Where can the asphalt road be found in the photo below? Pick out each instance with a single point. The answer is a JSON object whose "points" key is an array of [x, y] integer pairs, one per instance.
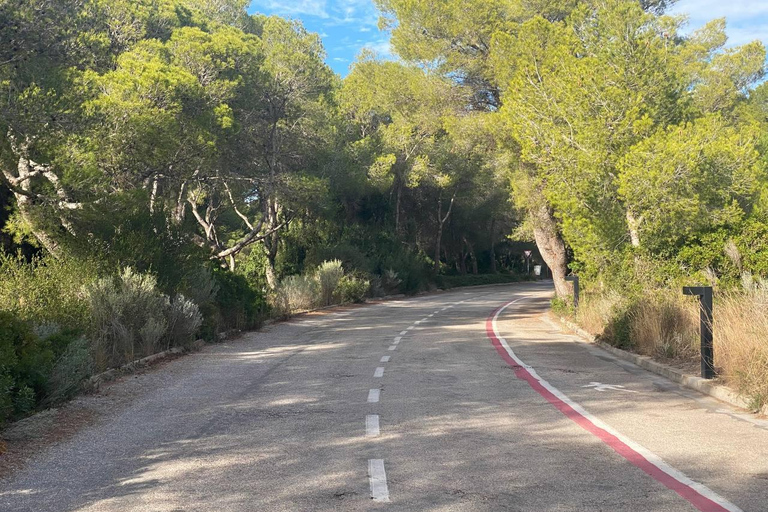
{"points": [[422, 404]]}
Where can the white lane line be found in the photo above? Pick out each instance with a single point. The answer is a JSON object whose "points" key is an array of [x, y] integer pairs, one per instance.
{"points": [[398, 339], [378, 479], [403, 333], [379, 372], [424, 319], [373, 395], [372, 425], [385, 359], [699, 495], [393, 347], [430, 315], [417, 322], [411, 327], [437, 311]]}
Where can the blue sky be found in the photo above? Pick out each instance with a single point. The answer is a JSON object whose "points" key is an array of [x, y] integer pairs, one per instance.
{"points": [[347, 26]]}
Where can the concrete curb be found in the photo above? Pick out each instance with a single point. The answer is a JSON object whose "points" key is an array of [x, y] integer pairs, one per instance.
{"points": [[718, 391], [95, 382]]}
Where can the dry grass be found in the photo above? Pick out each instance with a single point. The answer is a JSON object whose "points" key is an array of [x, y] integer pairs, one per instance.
{"points": [[741, 342], [665, 325], [596, 311]]}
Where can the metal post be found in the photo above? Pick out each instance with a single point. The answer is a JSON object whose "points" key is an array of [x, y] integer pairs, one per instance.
{"points": [[575, 280], [705, 320]]}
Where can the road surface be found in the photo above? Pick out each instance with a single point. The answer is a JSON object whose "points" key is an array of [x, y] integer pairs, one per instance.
{"points": [[471, 400]]}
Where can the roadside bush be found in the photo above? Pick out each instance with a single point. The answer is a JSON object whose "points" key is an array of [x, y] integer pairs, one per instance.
{"points": [[238, 305], [25, 363], [133, 319], [73, 367], [46, 290], [184, 320], [296, 293], [328, 276], [351, 289]]}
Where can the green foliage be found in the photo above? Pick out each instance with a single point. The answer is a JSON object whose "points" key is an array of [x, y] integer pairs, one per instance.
{"points": [[46, 290], [239, 305], [352, 289], [297, 293], [25, 362], [72, 367], [133, 319], [328, 276]]}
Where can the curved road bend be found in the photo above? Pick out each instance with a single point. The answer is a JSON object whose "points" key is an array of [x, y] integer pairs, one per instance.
{"points": [[464, 401]]}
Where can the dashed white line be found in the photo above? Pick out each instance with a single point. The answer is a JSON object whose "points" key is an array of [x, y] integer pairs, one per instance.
{"points": [[411, 327], [397, 339], [373, 395], [378, 479], [417, 322], [393, 347], [379, 372], [423, 319], [403, 333], [385, 359], [372, 425]]}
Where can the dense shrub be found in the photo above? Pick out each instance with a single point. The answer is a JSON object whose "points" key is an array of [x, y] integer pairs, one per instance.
{"points": [[73, 367], [351, 289], [25, 363], [296, 293], [237, 305], [328, 276], [132, 318], [46, 291]]}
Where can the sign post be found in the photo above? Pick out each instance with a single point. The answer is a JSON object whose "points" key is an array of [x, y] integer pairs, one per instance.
{"points": [[575, 280], [528, 261], [705, 326]]}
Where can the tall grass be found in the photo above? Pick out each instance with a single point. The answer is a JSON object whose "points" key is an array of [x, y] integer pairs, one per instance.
{"points": [[741, 341], [664, 324]]}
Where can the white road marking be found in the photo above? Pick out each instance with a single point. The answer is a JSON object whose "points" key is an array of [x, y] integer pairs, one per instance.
{"points": [[417, 322], [411, 327], [372, 425], [424, 319], [437, 311], [393, 347], [398, 339], [607, 387], [373, 395], [378, 479], [379, 372], [385, 359], [403, 333], [649, 456]]}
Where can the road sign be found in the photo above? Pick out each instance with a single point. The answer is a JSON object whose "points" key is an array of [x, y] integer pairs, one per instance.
{"points": [[527, 253]]}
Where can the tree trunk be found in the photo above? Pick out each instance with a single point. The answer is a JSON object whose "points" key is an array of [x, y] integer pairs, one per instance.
{"points": [[398, 195], [472, 256], [552, 247], [440, 223], [633, 225], [493, 246], [24, 204]]}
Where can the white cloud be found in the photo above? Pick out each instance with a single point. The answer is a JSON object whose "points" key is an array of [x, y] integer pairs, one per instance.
{"points": [[316, 8], [382, 47], [747, 20]]}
